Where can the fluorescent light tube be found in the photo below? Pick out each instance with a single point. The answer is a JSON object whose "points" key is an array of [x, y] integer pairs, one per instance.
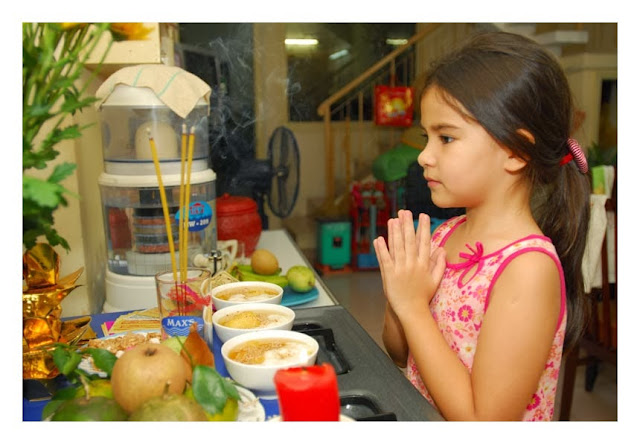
{"points": [[338, 54], [301, 42], [397, 42]]}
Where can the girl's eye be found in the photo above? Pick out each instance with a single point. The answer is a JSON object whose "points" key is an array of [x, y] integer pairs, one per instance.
{"points": [[446, 139], [425, 136]]}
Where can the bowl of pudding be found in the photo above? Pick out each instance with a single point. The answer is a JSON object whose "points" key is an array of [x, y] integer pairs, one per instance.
{"points": [[245, 292], [252, 359], [244, 318]]}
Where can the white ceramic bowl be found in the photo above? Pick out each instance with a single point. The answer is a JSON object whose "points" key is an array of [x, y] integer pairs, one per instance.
{"points": [[284, 317], [259, 377], [238, 287]]}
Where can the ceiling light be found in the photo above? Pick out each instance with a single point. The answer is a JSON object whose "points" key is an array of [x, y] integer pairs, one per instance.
{"points": [[301, 42], [397, 42]]}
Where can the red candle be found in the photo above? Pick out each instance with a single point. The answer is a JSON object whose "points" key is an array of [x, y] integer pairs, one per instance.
{"points": [[308, 393]]}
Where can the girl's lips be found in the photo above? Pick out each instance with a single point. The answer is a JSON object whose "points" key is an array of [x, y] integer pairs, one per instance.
{"points": [[431, 182]]}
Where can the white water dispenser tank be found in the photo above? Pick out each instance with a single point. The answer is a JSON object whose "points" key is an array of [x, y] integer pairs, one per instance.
{"points": [[165, 103]]}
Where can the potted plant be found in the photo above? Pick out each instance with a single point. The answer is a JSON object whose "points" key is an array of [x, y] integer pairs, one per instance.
{"points": [[53, 60]]}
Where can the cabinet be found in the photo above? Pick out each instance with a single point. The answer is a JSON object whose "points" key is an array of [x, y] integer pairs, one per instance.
{"points": [[157, 47]]}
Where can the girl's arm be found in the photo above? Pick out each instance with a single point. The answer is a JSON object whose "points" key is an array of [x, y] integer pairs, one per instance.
{"points": [[517, 330], [513, 346], [394, 339]]}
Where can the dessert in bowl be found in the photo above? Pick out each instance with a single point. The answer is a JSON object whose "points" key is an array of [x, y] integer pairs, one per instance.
{"points": [[244, 318], [245, 292], [252, 359]]}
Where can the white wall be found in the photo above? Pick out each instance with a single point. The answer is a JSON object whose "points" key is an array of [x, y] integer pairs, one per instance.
{"points": [[585, 73]]}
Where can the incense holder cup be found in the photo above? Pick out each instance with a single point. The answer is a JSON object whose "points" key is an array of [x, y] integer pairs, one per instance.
{"points": [[181, 300]]}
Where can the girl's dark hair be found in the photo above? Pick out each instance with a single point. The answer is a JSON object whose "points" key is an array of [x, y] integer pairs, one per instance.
{"points": [[507, 82]]}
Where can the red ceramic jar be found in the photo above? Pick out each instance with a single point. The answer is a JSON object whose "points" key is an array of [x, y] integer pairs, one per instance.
{"points": [[238, 218]]}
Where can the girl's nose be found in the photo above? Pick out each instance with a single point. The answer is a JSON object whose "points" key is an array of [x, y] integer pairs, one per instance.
{"points": [[425, 158]]}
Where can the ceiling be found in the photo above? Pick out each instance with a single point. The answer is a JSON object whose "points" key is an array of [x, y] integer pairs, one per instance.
{"points": [[336, 36]]}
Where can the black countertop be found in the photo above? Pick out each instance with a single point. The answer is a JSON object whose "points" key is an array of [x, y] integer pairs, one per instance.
{"points": [[367, 378]]}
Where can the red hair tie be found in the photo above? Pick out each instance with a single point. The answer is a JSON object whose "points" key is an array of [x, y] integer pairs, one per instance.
{"points": [[576, 153]]}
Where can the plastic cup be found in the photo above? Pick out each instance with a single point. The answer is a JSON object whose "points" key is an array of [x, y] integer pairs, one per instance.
{"points": [[180, 301]]}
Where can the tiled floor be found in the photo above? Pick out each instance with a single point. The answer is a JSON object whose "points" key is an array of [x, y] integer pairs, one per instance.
{"points": [[361, 294]]}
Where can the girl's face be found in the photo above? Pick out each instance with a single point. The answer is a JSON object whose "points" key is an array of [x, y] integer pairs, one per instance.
{"points": [[461, 161]]}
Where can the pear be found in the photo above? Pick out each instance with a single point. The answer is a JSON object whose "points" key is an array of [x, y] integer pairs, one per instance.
{"points": [[301, 278], [143, 373], [169, 407], [97, 408], [264, 262]]}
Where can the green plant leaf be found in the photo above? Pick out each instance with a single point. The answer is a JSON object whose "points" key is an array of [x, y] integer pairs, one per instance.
{"points": [[65, 393], [55, 239], [103, 359], [66, 359], [210, 389], [51, 407], [61, 172], [73, 104], [59, 134], [42, 192], [38, 110], [230, 389], [37, 160]]}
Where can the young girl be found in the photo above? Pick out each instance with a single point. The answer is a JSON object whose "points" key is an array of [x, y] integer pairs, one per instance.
{"points": [[477, 313]]}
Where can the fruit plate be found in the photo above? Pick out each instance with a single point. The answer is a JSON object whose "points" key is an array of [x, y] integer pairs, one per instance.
{"points": [[290, 298], [117, 344], [249, 407]]}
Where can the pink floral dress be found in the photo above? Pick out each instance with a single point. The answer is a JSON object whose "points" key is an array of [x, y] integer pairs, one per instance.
{"points": [[462, 298]]}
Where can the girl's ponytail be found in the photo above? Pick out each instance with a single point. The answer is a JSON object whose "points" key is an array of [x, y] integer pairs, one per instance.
{"points": [[561, 209]]}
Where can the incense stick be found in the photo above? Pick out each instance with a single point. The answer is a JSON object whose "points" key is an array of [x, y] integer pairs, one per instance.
{"points": [[183, 217], [165, 208], [183, 211], [187, 192]]}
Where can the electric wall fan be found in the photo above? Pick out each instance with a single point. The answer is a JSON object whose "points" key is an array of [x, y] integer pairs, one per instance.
{"points": [[275, 179]]}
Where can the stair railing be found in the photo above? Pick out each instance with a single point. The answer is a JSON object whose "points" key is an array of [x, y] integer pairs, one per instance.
{"points": [[340, 103]]}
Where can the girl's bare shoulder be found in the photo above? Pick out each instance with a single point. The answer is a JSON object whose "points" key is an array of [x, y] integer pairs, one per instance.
{"points": [[533, 274]]}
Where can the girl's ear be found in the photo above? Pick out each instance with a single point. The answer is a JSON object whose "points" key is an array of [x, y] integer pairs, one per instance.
{"points": [[515, 163]]}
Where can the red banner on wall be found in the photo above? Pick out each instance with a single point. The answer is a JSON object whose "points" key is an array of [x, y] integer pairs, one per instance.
{"points": [[393, 105]]}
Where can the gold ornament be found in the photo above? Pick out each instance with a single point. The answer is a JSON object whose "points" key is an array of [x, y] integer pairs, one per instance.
{"points": [[42, 326]]}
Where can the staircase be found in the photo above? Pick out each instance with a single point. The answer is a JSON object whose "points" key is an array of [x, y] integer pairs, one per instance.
{"points": [[401, 68], [345, 109]]}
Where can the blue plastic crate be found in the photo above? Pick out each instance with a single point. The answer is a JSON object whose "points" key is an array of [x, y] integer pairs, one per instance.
{"points": [[334, 243]]}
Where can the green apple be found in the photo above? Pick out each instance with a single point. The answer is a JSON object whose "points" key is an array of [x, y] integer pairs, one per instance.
{"points": [[175, 343], [301, 278]]}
